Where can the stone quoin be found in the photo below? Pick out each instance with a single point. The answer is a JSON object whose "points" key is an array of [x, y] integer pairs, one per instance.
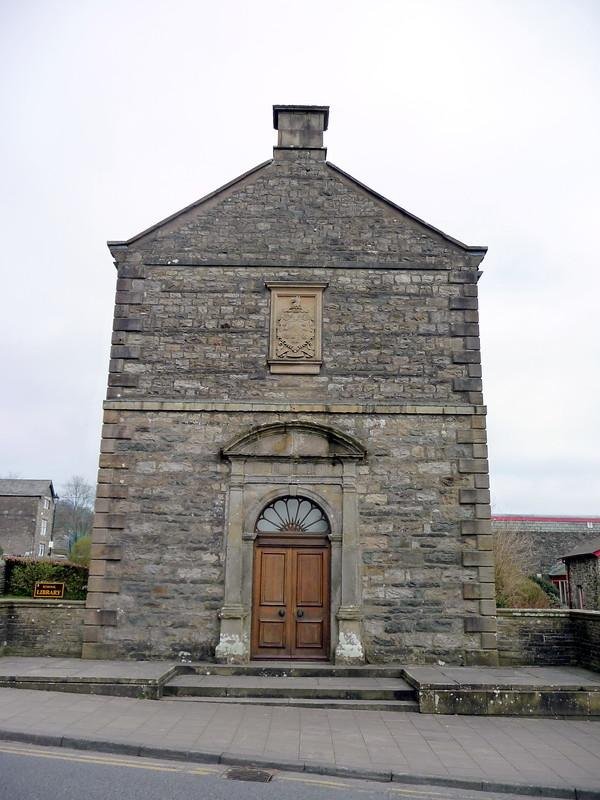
{"points": [[293, 460]]}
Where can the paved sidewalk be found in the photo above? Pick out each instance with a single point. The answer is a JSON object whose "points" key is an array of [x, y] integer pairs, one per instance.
{"points": [[556, 753]]}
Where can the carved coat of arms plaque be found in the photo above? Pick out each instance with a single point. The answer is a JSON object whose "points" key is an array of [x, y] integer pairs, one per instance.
{"points": [[295, 331]]}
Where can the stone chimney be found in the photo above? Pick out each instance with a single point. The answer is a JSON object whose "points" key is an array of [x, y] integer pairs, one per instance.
{"points": [[301, 128]]}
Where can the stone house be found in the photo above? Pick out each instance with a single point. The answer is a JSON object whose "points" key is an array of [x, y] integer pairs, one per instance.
{"points": [[293, 460], [548, 537], [26, 517], [583, 576]]}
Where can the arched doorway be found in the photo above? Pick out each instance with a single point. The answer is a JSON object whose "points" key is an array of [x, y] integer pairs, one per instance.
{"points": [[291, 581]]}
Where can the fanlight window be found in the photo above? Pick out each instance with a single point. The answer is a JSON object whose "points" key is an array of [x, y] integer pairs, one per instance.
{"points": [[292, 515]]}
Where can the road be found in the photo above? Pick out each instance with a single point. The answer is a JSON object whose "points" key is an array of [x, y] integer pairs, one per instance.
{"points": [[28, 772]]}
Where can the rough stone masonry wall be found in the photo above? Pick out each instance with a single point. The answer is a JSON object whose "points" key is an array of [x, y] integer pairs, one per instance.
{"points": [[41, 627], [586, 625], [18, 520], [541, 637], [584, 573], [164, 585], [549, 637], [189, 370]]}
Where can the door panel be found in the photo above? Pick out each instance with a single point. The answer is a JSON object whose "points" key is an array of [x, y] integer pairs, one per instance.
{"points": [[309, 582], [270, 635], [311, 599], [290, 611], [272, 578]]}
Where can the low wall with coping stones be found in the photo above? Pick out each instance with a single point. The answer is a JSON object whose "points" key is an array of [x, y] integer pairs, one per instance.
{"points": [[549, 637], [41, 627]]}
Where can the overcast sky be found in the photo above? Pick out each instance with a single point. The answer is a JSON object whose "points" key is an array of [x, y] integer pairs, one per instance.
{"points": [[482, 117]]}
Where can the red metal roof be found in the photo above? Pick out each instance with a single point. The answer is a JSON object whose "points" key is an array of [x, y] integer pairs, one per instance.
{"points": [[532, 518]]}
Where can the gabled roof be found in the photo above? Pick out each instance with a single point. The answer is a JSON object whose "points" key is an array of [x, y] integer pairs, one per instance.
{"points": [[476, 249], [17, 487], [591, 548]]}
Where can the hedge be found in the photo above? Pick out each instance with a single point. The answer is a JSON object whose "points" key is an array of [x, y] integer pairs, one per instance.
{"points": [[21, 574]]}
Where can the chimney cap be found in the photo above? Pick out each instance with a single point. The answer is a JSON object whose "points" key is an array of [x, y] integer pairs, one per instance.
{"points": [[301, 110]]}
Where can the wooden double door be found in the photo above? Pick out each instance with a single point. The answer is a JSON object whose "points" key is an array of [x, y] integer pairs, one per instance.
{"points": [[290, 608]]}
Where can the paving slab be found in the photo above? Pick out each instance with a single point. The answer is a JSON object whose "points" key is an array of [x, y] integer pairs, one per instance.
{"points": [[504, 677], [553, 757], [506, 691], [78, 669]]}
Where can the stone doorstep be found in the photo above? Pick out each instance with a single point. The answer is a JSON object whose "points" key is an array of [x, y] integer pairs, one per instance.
{"points": [[354, 704], [574, 691], [376, 689], [289, 765], [314, 669]]}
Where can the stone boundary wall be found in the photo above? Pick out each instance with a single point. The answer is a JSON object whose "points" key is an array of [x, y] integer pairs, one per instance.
{"points": [[549, 637], [586, 625], [41, 627]]}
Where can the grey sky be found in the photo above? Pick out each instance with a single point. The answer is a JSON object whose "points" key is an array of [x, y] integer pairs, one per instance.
{"points": [[481, 117]]}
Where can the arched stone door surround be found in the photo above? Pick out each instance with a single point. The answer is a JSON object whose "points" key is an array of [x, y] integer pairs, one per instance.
{"points": [[290, 581], [292, 459]]}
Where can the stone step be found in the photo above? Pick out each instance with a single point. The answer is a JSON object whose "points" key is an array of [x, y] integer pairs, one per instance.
{"points": [[297, 669], [306, 702], [257, 686]]}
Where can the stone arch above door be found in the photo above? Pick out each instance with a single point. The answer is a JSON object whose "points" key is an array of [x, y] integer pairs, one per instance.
{"points": [[294, 458], [295, 439]]}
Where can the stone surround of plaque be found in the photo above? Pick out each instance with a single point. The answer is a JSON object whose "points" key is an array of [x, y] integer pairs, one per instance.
{"points": [[295, 328], [293, 462]]}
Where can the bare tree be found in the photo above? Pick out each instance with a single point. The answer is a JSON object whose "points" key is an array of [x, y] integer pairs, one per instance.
{"points": [[512, 555], [74, 511]]}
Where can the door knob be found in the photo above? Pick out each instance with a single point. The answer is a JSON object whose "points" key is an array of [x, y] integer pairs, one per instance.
{"points": [[299, 613], [281, 612]]}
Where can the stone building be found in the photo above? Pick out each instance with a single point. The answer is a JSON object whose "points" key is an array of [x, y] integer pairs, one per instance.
{"points": [[293, 459], [547, 537], [26, 517], [583, 576]]}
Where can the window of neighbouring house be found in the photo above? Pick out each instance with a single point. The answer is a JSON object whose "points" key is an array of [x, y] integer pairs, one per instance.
{"points": [[46, 503], [41, 549], [563, 592], [44, 528], [580, 597]]}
